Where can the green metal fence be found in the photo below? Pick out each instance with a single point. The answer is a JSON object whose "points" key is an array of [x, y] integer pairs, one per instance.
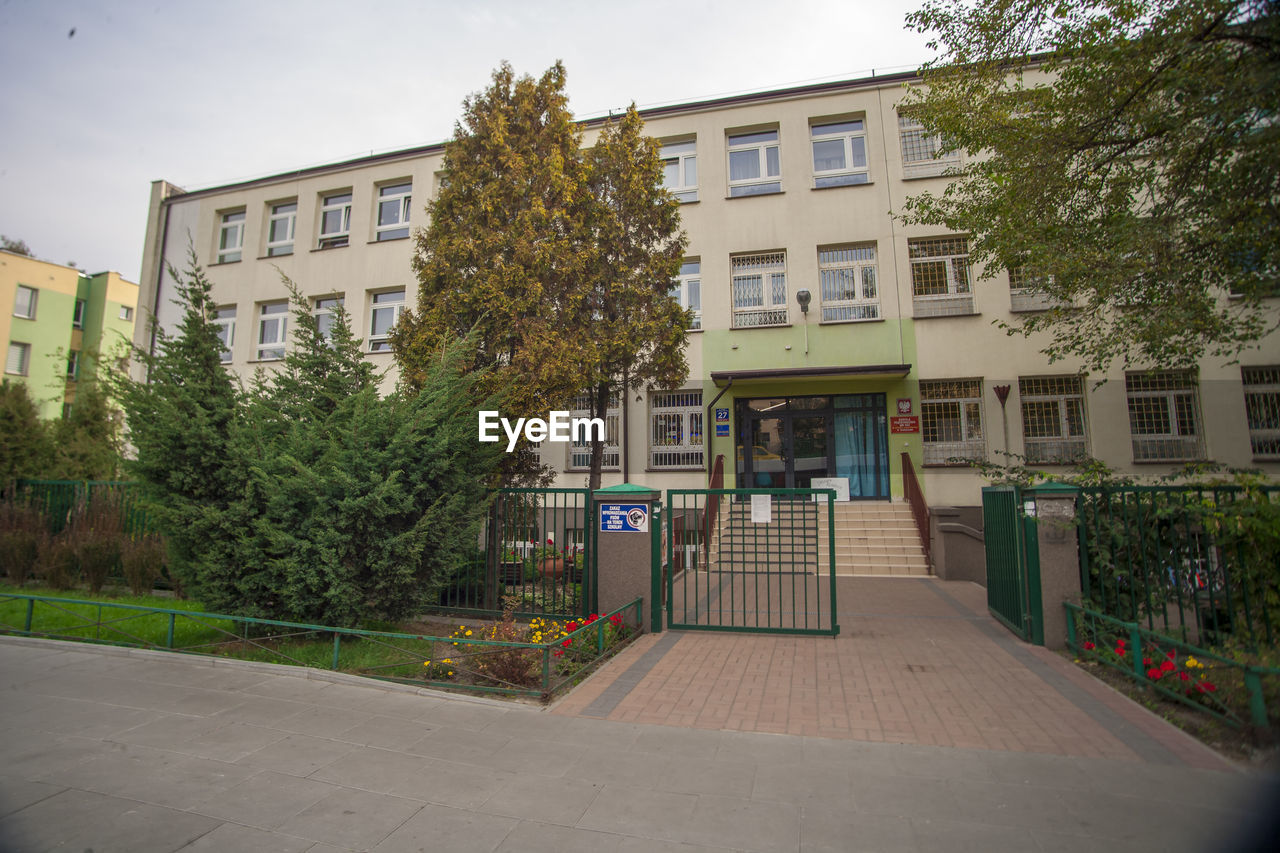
{"points": [[1236, 693], [754, 560], [56, 500], [1013, 564], [1200, 564], [461, 662], [536, 552]]}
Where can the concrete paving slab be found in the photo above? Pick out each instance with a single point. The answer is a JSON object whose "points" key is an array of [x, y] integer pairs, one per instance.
{"points": [[416, 777], [17, 794], [562, 801], [531, 835], [828, 830], [266, 799], [384, 731], [640, 811], [297, 755], [437, 827], [233, 838], [156, 776], [351, 818]]}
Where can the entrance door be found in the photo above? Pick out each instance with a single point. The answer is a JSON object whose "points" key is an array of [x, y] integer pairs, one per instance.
{"points": [[786, 443]]}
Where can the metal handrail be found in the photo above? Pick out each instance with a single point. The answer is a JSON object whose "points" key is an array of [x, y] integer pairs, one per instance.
{"points": [[919, 509]]}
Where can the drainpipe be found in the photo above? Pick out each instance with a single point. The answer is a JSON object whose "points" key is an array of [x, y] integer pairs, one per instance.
{"points": [[711, 422]]}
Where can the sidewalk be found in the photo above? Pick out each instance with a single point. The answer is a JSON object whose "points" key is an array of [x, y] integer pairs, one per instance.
{"points": [[115, 750]]}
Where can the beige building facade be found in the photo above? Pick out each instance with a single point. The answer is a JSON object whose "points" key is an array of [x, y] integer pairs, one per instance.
{"points": [[829, 339]]}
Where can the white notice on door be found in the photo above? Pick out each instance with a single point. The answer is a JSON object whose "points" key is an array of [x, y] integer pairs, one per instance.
{"points": [[761, 509]]}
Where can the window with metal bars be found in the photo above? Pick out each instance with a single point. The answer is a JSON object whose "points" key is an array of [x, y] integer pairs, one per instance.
{"points": [[759, 290], [1164, 416], [580, 447], [1053, 420], [940, 276], [847, 283], [920, 150], [1026, 290], [951, 421], [1262, 408], [675, 429]]}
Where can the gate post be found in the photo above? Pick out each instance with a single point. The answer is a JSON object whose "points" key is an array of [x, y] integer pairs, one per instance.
{"points": [[1055, 575], [627, 528]]}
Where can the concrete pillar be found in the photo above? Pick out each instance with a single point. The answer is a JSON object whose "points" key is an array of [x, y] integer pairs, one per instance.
{"points": [[628, 520], [1058, 543]]}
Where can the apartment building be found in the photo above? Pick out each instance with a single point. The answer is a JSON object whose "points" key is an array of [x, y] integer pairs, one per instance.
{"points": [[828, 339], [61, 323]]}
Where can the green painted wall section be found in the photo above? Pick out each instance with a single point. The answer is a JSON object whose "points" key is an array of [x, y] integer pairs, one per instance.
{"points": [[50, 337], [889, 342]]}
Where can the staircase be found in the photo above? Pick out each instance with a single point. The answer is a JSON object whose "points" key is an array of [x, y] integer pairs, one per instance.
{"points": [[877, 538], [871, 538]]}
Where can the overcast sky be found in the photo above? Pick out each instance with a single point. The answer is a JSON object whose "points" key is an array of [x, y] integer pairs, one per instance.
{"points": [[202, 94]]}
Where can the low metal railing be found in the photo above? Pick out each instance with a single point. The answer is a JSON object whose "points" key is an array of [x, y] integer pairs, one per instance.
{"points": [[474, 664], [1238, 694]]}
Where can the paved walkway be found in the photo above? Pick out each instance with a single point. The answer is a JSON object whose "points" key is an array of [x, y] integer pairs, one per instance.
{"points": [[108, 749], [917, 661]]}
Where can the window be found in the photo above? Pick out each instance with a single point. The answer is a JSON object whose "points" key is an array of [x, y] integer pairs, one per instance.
{"points": [[393, 211], [839, 153], [1164, 416], [231, 237], [273, 327], [680, 169], [847, 282], [1053, 419], [580, 448], [940, 276], [126, 313], [688, 290], [387, 308], [280, 229], [77, 319], [920, 157], [24, 304], [754, 164], [1026, 290], [325, 315], [759, 290], [1262, 407], [19, 359], [335, 221], [224, 325], [951, 420], [73, 365], [675, 429]]}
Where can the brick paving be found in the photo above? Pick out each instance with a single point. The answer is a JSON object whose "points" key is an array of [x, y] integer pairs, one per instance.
{"points": [[916, 662]]}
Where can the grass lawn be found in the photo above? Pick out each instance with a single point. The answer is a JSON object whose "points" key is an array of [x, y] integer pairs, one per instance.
{"points": [[115, 619]]}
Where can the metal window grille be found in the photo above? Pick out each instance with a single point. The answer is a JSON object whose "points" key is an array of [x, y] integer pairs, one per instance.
{"points": [[920, 158], [1164, 416], [1262, 408], [940, 276], [847, 282], [675, 430], [1053, 419], [759, 290], [1026, 290], [951, 420], [580, 449]]}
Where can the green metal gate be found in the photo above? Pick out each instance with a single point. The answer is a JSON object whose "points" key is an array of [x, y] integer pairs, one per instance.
{"points": [[751, 560], [1013, 562]]}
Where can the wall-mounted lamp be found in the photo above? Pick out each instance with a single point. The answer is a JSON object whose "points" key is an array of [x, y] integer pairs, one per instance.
{"points": [[803, 297]]}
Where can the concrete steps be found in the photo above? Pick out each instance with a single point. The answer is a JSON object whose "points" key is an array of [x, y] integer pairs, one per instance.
{"points": [[871, 538]]}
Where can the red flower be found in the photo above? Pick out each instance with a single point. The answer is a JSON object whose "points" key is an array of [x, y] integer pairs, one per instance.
{"points": [[1120, 651], [1185, 676], [1119, 644], [1173, 653], [550, 541], [570, 627], [1168, 666], [567, 643], [1088, 646], [558, 653], [1206, 687], [1154, 673], [616, 619], [1146, 661]]}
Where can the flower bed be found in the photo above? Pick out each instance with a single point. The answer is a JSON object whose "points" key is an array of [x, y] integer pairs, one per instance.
{"points": [[1239, 693]]}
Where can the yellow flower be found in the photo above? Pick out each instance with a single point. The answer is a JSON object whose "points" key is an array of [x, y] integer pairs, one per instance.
{"points": [[1192, 663], [468, 633], [426, 663]]}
